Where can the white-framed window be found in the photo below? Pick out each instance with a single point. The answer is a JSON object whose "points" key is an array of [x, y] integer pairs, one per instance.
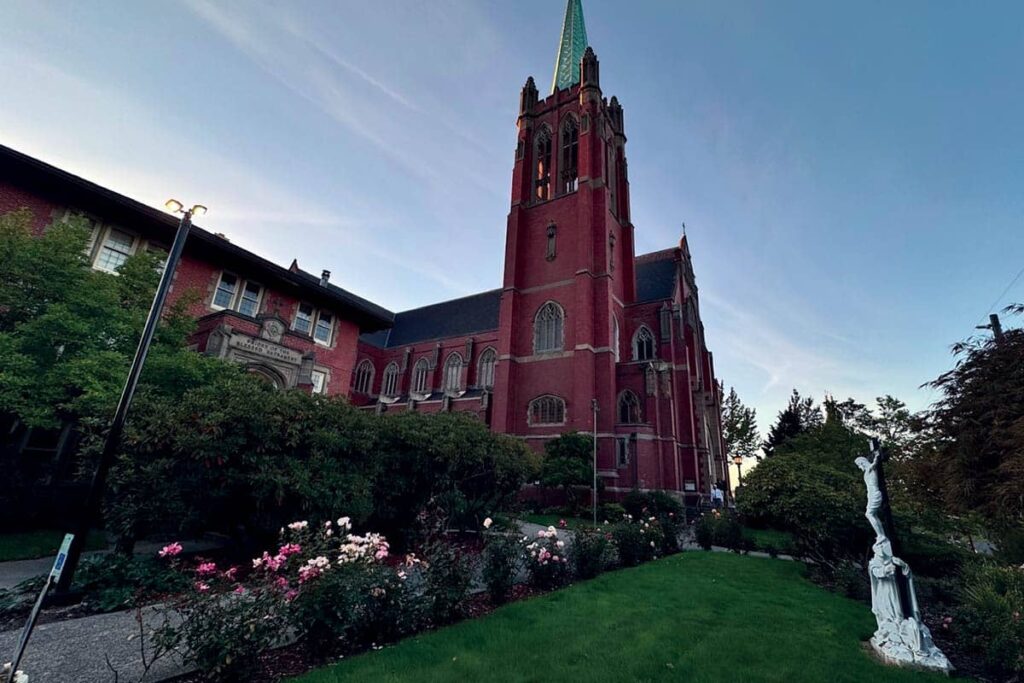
{"points": [[117, 246], [389, 385], [304, 316], [622, 452], [629, 408], [324, 330], [249, 301], [643, 344], [362, 379], [319, 379], [421, 377], [548, 328], [227, 287], [485, 369], [237, 294], [546, 410], [453, 374]]}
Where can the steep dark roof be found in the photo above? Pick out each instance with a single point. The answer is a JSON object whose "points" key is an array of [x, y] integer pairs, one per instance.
{"points": [[656, 276], [24, 170], [455, 318]]}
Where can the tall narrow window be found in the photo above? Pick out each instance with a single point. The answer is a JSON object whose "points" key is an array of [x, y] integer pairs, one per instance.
{"points": [[421, 377], [249, 303], [547, 328], [304, 318], [546, 410], [643, 344], [324, 328], [568, 161], [615, 338], [542, 177], [611, 177], [629, 408], [485, 369], [453, 374], [621, 452], [224, 297], [319, 380], [362, 379], [116, 249], [389, 385], [552, 229]]}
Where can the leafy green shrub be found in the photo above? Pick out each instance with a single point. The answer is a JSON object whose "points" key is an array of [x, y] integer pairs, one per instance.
{"points": [[502, 557], [991, 615], [546, 560], [719, 529], [811, 489], [647, 503], [448, 576], [568, 465], [637, 540], [1010, 545], [610, 511], [591, 551], [114, 582]]}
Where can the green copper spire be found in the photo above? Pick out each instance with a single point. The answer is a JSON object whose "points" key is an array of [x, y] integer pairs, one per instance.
{"points": [[570, 48]]}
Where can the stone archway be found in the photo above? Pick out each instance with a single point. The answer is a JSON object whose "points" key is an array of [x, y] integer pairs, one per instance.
{"points": [[268, 374]]}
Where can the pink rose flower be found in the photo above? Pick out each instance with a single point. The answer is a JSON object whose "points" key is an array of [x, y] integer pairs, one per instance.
{"points": [[202, 587], [206, 569], [170, 550]]}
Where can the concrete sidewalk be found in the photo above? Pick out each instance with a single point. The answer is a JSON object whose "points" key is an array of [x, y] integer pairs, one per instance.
{"points": [[13, 573]]}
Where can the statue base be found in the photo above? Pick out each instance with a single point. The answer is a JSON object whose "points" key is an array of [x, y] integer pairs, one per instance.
{"points": [[910, 646]]}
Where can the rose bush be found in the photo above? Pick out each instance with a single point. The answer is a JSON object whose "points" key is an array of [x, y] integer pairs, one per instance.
{"points": [[546, 559], [637, 539]]}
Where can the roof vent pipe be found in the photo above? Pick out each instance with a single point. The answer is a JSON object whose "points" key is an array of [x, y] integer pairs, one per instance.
{"points": [[324, 277]]}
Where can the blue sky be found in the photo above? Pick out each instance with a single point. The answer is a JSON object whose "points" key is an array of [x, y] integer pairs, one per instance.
{"points": [[850, 173]]}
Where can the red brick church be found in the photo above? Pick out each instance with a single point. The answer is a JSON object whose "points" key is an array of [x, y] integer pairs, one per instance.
{"points": [[582, 334]]}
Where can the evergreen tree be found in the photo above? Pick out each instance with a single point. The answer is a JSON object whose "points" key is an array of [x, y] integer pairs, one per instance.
{"points": [[739, 427], [797, 417]]}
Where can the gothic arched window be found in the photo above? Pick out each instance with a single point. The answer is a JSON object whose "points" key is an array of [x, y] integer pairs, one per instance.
{"points": [[629, 408], [542, 159], [453, 374], [421, 377], [643, 344], [362, 380], [546, 410], [547, 328], [389, 385], [568, 163], [485, 369]]}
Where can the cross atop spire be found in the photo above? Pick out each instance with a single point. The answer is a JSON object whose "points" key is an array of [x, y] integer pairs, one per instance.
{"points": [[570, 48]]}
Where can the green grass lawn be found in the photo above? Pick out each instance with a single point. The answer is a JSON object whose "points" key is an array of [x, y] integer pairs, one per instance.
{"points": [[762, 538], [28, 545], [552, 520], [692, 617]]}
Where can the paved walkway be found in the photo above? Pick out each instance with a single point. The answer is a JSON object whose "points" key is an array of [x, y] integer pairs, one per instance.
{"points": [[13, 573]]}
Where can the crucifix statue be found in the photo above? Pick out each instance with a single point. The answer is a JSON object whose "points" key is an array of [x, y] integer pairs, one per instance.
{"points": [[901, 638]]}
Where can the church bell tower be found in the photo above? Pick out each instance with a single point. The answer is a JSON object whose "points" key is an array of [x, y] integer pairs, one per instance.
{"points": [[569, 266]]}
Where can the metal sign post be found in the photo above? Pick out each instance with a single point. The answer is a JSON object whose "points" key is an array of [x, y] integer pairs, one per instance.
{"points": [[54, 577]]}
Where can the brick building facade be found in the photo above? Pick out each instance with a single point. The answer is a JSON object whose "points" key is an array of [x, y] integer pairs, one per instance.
{"points": [[582, 335]]}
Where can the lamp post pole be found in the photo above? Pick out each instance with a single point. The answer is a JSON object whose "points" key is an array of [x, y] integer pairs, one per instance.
{"points": [[593, 493], [738, 461], [113, 440]]}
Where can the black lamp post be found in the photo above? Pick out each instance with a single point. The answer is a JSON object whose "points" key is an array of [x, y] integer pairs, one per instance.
{"points": [[738, 461], [113, 441]]}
